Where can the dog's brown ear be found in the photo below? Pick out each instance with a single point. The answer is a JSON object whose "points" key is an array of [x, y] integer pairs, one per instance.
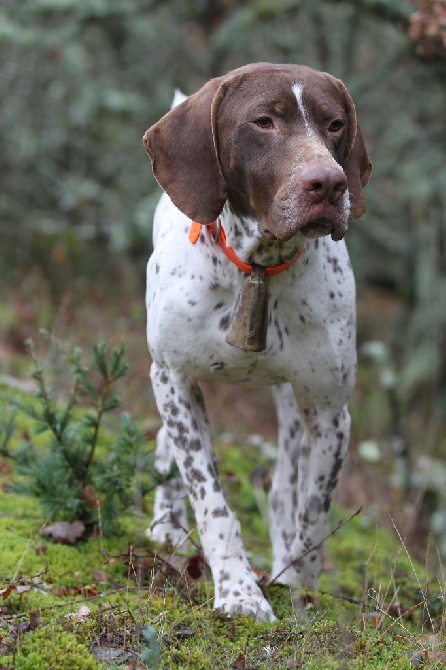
{"points": [[358, 169], [356, 163], [184, 157]]}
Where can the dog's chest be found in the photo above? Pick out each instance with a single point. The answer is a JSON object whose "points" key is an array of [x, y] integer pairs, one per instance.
{"points": [[191, 301], [187, 329]]}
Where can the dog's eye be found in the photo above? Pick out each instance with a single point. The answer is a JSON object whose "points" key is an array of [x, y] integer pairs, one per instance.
{"points": [[335, 126], [264, 122]]}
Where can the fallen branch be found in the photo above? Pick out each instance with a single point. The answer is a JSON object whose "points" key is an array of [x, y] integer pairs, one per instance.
{"points": [[340, 525]]}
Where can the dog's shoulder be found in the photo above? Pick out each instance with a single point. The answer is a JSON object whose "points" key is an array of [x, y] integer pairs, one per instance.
{"points": [[168, 222]]}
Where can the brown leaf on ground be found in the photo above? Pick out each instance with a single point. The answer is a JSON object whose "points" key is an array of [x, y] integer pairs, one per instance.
{"points": [[82, 613], [26, 626], [239, 663], [163, 567], [99, 576], [65, 532], [6, 592], [196, 566], [23, 588], [14, 588], [140, 562], [74, 591], [40, 549]]}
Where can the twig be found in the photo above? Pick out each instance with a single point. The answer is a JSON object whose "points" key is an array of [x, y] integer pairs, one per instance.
{"points": [[340, 525], [77, 601]]}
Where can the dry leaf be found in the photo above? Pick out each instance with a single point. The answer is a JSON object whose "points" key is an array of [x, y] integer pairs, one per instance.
{"points": [[195, 566], [18, 588], [74, 591], [26, 626], [99, 576], [40, 549], [80, 615], [23, 588], [65, 532], [239, 663], [6, 592]]}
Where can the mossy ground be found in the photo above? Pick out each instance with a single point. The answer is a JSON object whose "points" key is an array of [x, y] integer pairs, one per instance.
{"points": [[376, 607]]}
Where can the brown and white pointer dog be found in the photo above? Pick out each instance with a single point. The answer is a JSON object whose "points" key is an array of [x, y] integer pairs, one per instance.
{"points": [[272, 157]]}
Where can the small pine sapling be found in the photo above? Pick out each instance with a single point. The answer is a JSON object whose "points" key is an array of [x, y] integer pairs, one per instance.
{"points": [[79, 470]]}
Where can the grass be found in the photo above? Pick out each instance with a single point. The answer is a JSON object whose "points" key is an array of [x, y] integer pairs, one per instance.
{"points": [[100, 605]]}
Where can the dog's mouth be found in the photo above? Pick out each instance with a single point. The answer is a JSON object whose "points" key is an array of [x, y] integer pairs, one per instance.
{"points": [[322, 226], [317, 228]]}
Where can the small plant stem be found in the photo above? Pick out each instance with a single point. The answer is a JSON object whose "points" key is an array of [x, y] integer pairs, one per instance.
{"points": [[49, 412], [94, 441]]}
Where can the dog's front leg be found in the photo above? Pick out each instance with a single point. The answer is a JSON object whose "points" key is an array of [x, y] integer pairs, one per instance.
{"points": [[182, 410]]}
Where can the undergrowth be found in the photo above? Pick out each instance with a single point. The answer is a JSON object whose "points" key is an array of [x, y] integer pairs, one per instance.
{"points": [[74, 468], [97, 606], [114, 600], [106, 604]]}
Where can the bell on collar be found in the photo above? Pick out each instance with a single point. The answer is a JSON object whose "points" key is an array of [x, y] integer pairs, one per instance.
{"points": [[249, 322]]}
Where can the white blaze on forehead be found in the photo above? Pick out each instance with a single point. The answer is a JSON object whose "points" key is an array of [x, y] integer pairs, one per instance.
{"points": [[298, 91], [321, 152]]}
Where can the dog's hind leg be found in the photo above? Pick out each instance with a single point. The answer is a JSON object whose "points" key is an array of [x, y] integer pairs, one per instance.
{"points": [[169, 525], [288, 484], [328, 431]]}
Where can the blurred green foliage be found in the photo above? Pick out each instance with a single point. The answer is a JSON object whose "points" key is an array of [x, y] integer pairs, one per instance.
{"points": [[81, 80]]}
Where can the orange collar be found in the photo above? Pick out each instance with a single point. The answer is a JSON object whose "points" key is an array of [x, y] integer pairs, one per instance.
{"points": [[219, 237]]}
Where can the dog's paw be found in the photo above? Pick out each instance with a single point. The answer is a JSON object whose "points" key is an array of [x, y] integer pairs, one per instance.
{"points": [[248, 605], [164, 533]]}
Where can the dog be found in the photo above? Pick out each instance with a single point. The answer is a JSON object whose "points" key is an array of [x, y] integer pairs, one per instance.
{"points": [[262, 170]]}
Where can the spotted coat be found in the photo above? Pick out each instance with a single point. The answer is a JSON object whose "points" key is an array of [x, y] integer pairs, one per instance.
{"points": [[276, 153]]}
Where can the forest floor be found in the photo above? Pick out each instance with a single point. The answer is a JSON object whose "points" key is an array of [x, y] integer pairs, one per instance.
{"points": [[118, 601]]}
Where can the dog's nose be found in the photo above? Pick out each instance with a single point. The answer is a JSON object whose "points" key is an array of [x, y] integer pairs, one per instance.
{"points": [[322, 182]]}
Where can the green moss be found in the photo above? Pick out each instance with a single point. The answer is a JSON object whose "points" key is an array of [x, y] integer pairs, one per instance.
{"points": [[52, 647], [21, 540], [365, 568], [370, 563]]}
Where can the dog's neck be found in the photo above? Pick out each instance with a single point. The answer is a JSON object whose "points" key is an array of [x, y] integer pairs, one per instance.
{"points": [[244, 234]]}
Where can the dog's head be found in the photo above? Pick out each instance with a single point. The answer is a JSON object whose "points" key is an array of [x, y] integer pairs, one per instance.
{"points": [[281, 143]]}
